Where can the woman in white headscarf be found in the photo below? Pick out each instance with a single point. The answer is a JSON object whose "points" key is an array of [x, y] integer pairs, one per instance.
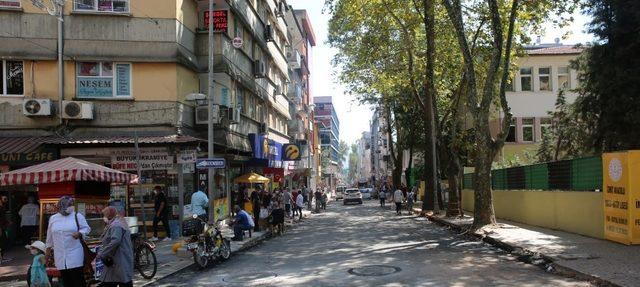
{"points": [[63, 236]]}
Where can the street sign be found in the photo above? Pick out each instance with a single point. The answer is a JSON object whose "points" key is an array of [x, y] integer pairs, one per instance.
{"points": [[237, 42], [211, 163]]}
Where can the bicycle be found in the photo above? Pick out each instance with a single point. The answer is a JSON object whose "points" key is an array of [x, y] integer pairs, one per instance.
{"points": [[144, 256]]}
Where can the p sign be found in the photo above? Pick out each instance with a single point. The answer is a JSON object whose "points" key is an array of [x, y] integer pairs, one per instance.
{"points": [[237, 42]]}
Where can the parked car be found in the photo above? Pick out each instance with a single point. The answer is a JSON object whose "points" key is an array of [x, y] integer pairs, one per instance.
{"points": [[352, 195], [366, 193], [340, 192]]}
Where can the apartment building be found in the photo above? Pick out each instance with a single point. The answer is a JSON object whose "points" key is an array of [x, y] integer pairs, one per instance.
{"points": [[381, 167], [542, 73], [129, 67], [364, 158], [329, 125]]}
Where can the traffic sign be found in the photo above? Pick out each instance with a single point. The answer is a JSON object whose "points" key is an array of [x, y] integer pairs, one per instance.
{"points": [[211, 163]]}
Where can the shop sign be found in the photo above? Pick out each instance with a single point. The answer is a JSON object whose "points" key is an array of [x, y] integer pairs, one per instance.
{"points": [[150, 159], [38, 156], [187, 156], [621, 191], [291, 152], [95, 87], [265, 148], [220, 20]]}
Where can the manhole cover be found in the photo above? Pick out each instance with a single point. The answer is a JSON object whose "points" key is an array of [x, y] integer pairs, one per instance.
{"points": [[258, 277], [374, 270]]}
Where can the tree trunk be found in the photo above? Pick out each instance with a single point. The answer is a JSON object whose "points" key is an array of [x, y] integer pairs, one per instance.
{"points": [[453, 207], [483, 213], [429, 93]]}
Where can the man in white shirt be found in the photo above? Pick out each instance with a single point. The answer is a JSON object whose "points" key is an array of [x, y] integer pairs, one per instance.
{"points": [[398, 198], [199, 201], [29, 219], [300, 204]]}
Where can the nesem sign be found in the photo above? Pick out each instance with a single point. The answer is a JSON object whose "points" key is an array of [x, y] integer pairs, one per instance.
{"points": [[220, 20]]}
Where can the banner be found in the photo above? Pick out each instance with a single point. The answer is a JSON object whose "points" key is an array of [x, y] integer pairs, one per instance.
{"points": [[621, 194]]}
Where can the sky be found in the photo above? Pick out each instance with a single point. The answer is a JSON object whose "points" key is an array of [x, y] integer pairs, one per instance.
{"points": [[354, 117]]}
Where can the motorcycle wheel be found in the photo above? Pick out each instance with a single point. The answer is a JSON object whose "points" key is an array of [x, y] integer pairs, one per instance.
{"points": [[199, 258], [225, 250]]}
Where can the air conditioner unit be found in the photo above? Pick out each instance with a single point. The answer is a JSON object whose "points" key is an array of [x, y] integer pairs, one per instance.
{"points": [[36, 107], [234, 115], [268, 33], [263, 128], [202, 115], [77, 110], [259, 69], [294, 59]]}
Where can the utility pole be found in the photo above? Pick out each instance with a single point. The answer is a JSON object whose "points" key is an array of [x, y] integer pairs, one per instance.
{"points": [[210, 180]]}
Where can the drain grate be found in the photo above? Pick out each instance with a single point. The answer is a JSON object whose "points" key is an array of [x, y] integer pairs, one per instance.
{"points": [[256, 278], [374, 270]]}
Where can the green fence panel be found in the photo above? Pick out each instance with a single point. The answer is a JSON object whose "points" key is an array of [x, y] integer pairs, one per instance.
{"points": [[586, 173], [537, 177], [499, 179]]}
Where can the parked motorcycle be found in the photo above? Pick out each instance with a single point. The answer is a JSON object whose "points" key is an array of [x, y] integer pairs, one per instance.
{"points": [[205, 241]]}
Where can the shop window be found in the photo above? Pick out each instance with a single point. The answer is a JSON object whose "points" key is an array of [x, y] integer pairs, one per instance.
{"points": [[12, 82], [527, 129], [563, 78], [544, 76], [103, 80], [511, 136], [117, 6], [9, 3], [525, 79]]}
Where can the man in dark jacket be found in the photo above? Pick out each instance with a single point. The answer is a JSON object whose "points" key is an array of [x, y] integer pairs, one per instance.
{"points": [[256, 201], [161, 214]]}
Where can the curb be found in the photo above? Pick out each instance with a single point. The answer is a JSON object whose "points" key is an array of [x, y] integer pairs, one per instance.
{"points": [[546, 262]]}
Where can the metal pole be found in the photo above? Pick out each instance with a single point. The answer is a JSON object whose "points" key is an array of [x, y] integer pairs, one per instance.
{"points": [[60, 60], [210, 181], [144, 218], [180, 196]]}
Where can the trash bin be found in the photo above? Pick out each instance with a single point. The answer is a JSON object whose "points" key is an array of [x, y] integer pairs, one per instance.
{"points": [[175, 229]]}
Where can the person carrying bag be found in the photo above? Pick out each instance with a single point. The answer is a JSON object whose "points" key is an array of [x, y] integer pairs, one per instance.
{"points": [[116, 251]]}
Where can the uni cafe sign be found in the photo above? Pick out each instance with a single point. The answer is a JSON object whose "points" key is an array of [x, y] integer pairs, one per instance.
{"points": [[38, 156]]}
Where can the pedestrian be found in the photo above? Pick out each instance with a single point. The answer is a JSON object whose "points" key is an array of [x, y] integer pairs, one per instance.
{"points": [[383, 198], [234, 200], [241, 223], [398, 198], [299, 204], [199, 203], [294, 196], [410, 196], [318, 197], [116, 251], [256, 201], [286, 199], [4, 228], [38, 271], [64, 237], [161, 214], [324, 200], [29, 219]]}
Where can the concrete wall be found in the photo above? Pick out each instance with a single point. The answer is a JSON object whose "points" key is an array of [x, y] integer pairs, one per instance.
{"points": [[575, 212]]}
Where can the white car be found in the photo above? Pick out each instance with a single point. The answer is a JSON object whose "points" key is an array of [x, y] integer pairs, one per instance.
{"points": [[366, 193], [352, 195]]}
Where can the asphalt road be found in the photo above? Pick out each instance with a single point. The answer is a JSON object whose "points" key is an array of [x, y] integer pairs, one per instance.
{"points": [[369, 246]]}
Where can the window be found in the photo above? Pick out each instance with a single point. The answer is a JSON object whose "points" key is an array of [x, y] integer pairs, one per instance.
{"points": [[240, 100], [563, 78], [544, 75], [511, 137], [525, 79], [118, 6], [103, 80], [10, 3], [545, 126], [527, 130], [12, 82]]}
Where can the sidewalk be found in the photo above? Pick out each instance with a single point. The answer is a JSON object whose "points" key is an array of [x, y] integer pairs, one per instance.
{"points": [[169, 263], [602, 262]]}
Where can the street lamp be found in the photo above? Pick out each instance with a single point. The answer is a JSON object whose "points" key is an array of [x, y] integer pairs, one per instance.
{"points": [[57, 9]]}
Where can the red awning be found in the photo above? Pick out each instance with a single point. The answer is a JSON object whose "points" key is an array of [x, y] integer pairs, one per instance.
{"points": [[64, 170]]}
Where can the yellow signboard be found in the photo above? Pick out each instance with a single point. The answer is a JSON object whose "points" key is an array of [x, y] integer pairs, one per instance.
{"points": [[621, 194]]}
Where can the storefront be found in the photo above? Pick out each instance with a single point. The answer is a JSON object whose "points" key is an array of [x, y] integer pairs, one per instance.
{"points": [[267, 160]]}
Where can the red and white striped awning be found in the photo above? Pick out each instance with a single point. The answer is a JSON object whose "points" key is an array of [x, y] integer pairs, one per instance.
{"points": [[64, 170]]}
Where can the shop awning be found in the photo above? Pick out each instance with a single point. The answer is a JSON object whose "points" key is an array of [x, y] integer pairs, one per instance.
{"points": [[251, 178], [9, 145], [64, 170]]}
